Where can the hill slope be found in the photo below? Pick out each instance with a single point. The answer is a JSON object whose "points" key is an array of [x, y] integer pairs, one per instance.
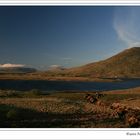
{"points": [[124, 64]]}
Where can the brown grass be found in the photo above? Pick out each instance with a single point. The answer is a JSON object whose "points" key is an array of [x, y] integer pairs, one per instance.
{"points": [[67, 109]]}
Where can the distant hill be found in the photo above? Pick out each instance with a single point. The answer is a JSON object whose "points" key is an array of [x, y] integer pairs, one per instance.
{"points": [[56, 68], [17, 70], [124, 64]]}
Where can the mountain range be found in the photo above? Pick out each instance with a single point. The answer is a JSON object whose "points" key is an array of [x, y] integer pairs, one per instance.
{"points": [[125, 64], [17, 70]]}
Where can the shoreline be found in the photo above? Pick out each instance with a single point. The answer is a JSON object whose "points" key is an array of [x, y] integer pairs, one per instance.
{"points": [[63, 78]]}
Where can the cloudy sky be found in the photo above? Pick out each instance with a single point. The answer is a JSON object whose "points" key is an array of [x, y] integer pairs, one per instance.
{"points": [[66, 36]]}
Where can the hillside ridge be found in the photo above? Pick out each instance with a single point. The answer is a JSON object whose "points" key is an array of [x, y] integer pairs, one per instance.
{"points": [[123, 64]]}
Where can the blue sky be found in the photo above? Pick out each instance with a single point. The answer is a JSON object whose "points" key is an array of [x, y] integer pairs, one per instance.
{"points": [[68, 36]]}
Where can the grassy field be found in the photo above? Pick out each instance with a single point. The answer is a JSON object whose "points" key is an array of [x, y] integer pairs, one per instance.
{"points": [[38, 109]]}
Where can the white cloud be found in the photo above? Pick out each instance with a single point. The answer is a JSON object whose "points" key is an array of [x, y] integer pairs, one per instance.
{"points": [[8, 65], [126, 25]]}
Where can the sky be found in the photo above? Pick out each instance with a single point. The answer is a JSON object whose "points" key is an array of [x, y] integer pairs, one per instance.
{"points": [[47, 36]]}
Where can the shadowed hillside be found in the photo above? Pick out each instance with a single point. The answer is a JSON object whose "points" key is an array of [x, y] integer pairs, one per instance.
{"points": [[17, 70]]}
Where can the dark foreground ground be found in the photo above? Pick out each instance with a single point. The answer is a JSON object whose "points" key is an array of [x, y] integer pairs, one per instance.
{"points": [[38, 109]]}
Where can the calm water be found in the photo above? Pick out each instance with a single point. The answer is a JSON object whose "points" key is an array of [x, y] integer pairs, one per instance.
{"points": [[63, 85]]}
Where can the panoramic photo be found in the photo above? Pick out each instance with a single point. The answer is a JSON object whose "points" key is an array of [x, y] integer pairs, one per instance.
{"points": [[69, 67]]}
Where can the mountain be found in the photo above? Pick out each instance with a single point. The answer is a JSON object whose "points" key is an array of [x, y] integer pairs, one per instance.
{"points": [[124, 64], [17, 70]]}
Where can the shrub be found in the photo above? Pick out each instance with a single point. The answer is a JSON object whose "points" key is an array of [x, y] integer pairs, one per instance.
{"points": [[32, 93], [12, 114], [35, 92]]}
